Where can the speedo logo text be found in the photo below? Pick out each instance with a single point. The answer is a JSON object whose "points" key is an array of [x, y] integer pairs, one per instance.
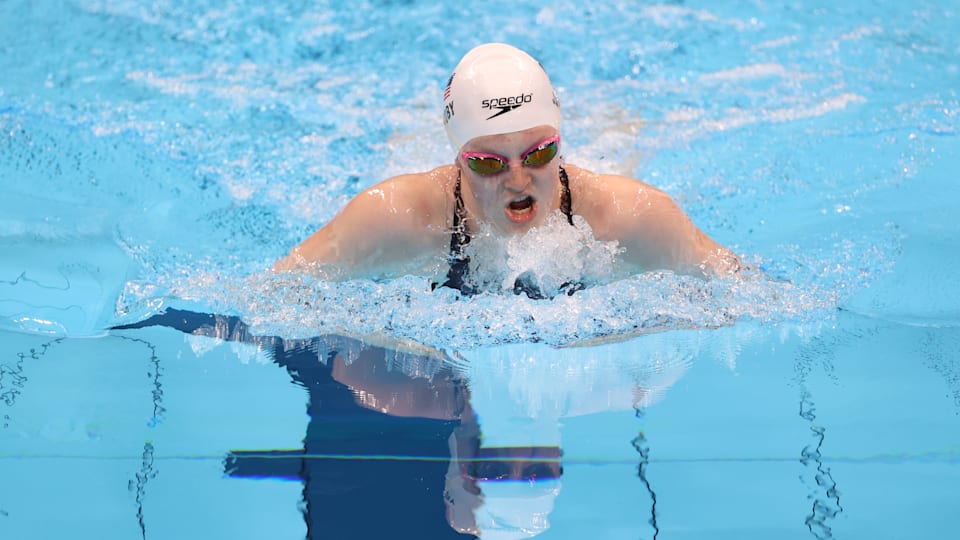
{"points": [[504, 105]]}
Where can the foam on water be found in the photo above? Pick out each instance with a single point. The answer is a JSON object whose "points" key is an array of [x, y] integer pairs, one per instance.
{"points": [[546, 257], [804, 289]]}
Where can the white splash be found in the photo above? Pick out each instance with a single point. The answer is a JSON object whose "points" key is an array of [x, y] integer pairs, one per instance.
{"points": [[546, 257]]}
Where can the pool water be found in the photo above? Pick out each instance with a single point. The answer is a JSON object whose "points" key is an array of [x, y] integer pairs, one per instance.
{"points": [[157, 381]]}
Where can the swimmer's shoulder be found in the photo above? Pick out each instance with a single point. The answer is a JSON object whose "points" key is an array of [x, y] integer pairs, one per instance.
{"points": [[590, 182], [426, 196], [606, 200], [593, 192]]}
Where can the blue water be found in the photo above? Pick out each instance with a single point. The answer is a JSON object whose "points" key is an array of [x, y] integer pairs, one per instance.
{"points": [[156, 158]]}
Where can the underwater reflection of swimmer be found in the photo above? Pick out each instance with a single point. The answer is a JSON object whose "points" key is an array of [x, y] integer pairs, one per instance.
{"points": [[499, 492], [393, 446]]}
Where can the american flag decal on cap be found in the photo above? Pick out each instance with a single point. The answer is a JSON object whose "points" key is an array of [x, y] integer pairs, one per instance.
{"points": [[446, 93]]}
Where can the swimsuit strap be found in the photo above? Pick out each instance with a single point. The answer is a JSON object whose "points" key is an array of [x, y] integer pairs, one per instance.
{"points": [[459, 238], [459, 263], [566, 204]]}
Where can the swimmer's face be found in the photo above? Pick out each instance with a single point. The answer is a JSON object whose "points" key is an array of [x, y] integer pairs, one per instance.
{"points": [[522, 193]]}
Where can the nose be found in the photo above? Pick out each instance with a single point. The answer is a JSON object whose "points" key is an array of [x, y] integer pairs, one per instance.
{"points": [[517, 177]]}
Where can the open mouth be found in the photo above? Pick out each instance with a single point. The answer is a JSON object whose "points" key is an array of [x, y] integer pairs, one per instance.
{"points": [[521, 210]]}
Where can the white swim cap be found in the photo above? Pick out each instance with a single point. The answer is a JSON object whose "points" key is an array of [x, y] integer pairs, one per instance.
{"points": [[515, 510], [497, 89], [497, 509]]}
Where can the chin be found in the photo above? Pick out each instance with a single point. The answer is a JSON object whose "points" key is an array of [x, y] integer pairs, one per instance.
{"points": [[510, 228]]}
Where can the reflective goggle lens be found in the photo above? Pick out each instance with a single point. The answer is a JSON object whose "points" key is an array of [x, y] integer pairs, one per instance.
{"points": [[486, 165], [542, 154]]}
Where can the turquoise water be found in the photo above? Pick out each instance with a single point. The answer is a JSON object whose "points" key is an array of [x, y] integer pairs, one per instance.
{"points": [[160, 156]]}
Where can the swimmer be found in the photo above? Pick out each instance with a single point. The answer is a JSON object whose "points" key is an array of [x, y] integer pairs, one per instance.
{"points": [[502, 114]]}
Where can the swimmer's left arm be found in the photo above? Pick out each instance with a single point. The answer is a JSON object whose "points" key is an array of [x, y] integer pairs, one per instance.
{"points": [[657, 234], [670, 238]]}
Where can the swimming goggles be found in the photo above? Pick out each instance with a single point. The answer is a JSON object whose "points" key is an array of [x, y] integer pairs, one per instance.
{"points": [[507, 464], [506, 470], [486, 164]]}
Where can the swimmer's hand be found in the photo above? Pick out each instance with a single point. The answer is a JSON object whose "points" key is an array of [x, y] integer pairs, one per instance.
{"points": [[723, 263], [287, 265], [295, 263]]}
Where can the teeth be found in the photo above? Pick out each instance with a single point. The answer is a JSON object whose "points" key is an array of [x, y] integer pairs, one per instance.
{"points": [[523, 203]]}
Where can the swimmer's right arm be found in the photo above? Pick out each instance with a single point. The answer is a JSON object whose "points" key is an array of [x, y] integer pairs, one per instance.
{"points": [[315, 250], [376, 231]]}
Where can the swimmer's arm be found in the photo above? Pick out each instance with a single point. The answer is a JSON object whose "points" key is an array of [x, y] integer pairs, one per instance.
{"points": [[658, 235], [377, 233], [396, 393]]}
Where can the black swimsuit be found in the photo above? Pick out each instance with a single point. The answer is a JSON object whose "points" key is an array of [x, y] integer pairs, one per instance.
{"points": [[459, 238]]}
